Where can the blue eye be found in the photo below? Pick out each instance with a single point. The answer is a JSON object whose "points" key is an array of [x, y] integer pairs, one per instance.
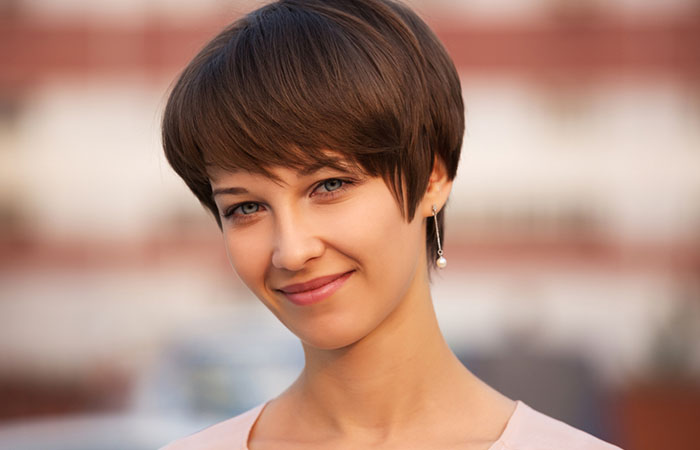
{"points": [[248, 208], [243, 209], [332, 184], [244, 212]]}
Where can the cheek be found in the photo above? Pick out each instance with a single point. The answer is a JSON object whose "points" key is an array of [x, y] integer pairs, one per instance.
{"points": [[376, 235], [248, 253]]}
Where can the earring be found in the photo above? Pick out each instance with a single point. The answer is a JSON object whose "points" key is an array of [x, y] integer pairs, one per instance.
{"points": [[441, 261]]}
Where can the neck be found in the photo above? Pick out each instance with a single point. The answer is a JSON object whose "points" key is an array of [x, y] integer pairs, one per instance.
{"points": [[386, 380]]}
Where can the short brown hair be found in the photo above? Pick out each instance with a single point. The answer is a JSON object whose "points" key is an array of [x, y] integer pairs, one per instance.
{"points": [[283, 85]]}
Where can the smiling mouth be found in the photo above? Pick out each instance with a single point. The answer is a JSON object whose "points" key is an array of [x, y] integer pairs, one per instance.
{"points": [[316, 290]]}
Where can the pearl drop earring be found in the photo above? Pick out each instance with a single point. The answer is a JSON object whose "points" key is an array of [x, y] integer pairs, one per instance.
{"points": [[441, 261]]}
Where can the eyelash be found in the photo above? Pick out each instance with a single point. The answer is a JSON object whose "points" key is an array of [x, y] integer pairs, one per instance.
{"points": [[329, 195]]}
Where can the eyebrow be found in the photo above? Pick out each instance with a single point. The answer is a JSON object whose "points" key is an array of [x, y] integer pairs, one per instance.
{"points": [[312, 169], [335, 164], [306, 171], [229, 190]]}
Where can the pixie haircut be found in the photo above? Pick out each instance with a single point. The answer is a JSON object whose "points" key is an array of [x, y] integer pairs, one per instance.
{"points": [[309, 83]]}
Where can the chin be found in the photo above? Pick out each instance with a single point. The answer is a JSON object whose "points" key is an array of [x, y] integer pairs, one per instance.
{"points": [[327, 344], [330, 337]]}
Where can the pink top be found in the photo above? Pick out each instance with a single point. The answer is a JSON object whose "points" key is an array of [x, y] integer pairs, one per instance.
{"points": [[527, 429]]}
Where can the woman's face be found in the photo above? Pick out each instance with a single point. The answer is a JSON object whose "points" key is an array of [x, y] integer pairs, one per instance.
{"points": [[329, 253]]}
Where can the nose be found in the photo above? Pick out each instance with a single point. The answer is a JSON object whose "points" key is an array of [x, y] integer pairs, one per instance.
{"points": [[296, 243]]}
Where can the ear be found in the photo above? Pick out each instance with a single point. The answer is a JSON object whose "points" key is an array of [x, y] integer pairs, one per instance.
{"points": [[439, 188]]}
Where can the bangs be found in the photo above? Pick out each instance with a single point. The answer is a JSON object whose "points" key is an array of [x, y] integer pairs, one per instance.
{"points": [[298, 88]]}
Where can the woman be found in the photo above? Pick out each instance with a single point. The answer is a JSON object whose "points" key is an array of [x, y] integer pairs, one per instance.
{"points": [[324, 137]]}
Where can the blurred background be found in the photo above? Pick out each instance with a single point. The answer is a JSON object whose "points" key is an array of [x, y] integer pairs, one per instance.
{"points": [[573, 230]]}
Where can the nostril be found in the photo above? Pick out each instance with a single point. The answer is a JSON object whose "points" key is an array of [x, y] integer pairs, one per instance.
{"points": [[294, 256]]}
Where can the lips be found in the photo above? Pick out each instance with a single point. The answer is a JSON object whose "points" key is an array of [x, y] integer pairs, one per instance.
{"points": [[315, 290]]}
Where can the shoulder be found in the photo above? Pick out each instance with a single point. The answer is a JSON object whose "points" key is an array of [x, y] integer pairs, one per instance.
{"points": [[231, 434], [531, 430]]}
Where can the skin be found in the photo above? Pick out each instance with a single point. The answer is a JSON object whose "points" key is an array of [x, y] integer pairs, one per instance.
{"points": [[378, 372]]}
